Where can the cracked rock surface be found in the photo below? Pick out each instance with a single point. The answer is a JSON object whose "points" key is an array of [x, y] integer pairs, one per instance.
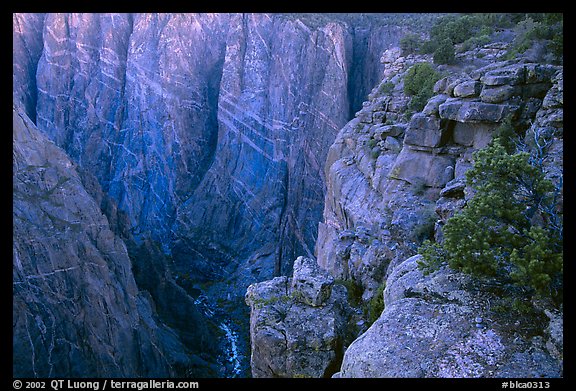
{"points": [[440, 326], [77, 309], [291, 336]]}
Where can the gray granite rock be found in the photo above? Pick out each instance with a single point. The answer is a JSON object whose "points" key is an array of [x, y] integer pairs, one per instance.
{"points": [[310, 284], [454, 188], [433, 104], [425, 131], [466, 111], [75, 299], [429, 329], [498, 94], [510, 75], [467, 89], [203, 100], [291, 338]]}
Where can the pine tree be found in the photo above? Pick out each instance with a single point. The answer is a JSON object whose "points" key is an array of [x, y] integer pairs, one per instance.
{"points": [[445, 52], [503, 231]]}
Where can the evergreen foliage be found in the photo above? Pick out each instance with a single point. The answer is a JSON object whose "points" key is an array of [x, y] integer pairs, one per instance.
{"points": [[538, 27], [375, 306], [444, 53], [509, 230], [473, 30], [419, 84], [410, 43]]}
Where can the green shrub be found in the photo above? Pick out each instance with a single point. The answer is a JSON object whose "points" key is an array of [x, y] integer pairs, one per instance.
{"points": [[410, 43], [424, 230], [386, 88], [419, 84], [455, 28], [428, 47], [538, 27], [375, 306], [420, 77], [474, 30], [474, 42], [494, 235], [444, 53], [354, 291]]}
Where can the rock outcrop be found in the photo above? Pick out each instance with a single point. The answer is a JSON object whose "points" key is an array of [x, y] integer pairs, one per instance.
{"points": [[398, 177], [393, 181], [443, 325], [298, 325], [77, 310]]}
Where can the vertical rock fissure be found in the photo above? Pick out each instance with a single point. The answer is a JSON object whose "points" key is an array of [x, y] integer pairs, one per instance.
{"points": [[283, 221], [352, 79], [148, 113]]}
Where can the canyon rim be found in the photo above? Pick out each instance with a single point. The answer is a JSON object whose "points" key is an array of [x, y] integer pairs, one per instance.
{"points": [[246, 195]]}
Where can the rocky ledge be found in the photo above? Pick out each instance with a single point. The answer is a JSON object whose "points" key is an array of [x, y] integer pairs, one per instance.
{"points": [[298, 325], [393, 180], [445, 325]]}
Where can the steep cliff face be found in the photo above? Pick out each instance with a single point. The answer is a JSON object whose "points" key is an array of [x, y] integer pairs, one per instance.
{"points": [[76, 307], [202, 137], [27, 46], [276, 118], [393, 179], [131, 99], [209, 130]]}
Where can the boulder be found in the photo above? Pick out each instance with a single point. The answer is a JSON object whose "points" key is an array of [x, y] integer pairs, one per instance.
{"points": [[365, 116], [392, 144], [467, 89], [467, 111], [394, 130], [555, 96], [454, 188], [290, 338], [511, 75], [436, 326], [426, 131], [431, 107], [476, 135], [415, 166], [540, 73], [310, 284], [378, 117], [440, 86], [498, 94]]}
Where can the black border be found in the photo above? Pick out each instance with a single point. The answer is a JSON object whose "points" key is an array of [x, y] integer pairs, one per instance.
{"points": [[271, 6]]}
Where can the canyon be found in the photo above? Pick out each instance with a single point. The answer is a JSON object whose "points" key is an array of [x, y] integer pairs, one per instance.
{"points": [[202, 137], [194, 195]]}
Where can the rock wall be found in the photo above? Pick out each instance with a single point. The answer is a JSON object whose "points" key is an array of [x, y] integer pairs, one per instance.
{"points": [[438, 325], [202, 137], [300, 324], [390, 179], [77, 310], [210, 131], [27, 44], [393, 180]]}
